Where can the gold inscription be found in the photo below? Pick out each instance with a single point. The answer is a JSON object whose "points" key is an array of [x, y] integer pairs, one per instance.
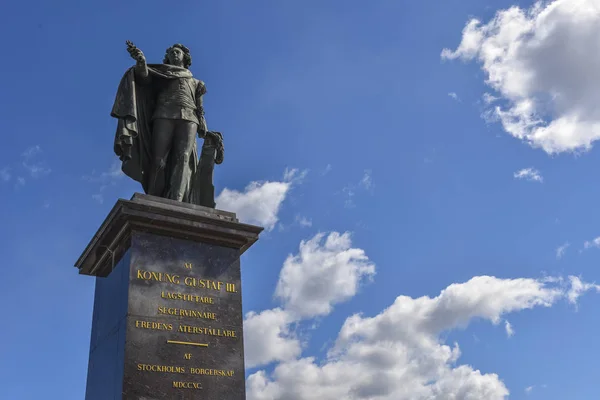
{"points": [[187, 356], [161, 368], [187, 385], [157, 326], [182, 312], [211, 372], [230, 287], [203, 283], [197, 330], [186, 297], [188, 281], [158, 276], [182, 370]]}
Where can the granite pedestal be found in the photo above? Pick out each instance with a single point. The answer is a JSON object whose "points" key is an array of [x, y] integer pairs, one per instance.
{"points": [[167, 321]]}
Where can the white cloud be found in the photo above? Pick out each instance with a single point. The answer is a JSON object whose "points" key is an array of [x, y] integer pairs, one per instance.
{"points": [[5, 174], [528, 389], [108, 177], [327, 169], [35, 169], [114, 171], [489, 99], [267, 338], [104, 180], [561, 250], [260, 202], [20, 181], [303, 221], [578, 288], [31, 152], [326, 271], [592, 243], [544, 65], [349, 202], [399, 353], [509, 329], [294, 175], [367, 181], [453, 96], [529, 174]]}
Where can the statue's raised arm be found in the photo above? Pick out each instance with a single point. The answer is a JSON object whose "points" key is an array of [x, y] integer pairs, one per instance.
{"points": [[141, 67]]}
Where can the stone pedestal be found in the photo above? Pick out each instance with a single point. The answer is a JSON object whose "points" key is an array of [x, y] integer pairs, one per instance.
{"points": [[167, 320]]}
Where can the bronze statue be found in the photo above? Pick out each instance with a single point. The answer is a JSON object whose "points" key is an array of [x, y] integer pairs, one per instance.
{"points": [[159, 111]]}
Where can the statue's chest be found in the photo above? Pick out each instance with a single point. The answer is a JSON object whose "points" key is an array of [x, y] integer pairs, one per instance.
{"points": [[177, 89]]}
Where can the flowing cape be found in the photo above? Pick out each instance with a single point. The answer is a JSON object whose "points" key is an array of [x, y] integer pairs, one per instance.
{"points": [[133, 108]]}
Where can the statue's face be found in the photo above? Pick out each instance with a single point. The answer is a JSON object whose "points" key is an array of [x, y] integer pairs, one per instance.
{"points": [[175, 57]]}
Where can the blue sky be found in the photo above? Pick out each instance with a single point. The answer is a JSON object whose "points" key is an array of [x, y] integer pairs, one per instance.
{"points": [[429, 189]]}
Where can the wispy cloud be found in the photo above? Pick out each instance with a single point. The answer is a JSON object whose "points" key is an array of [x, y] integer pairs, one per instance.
{"points": [[31, 152], [349, 201], [5, 174], [110, 175], [35, 168], [579, 287], [114, 171], [104, 180], [561, 250], [489, 99], [454, 96], [365, 183], [528, 389], [588, 244], [509, 329], [294, 175], [303, 221], [529, 174], [327, 169]]}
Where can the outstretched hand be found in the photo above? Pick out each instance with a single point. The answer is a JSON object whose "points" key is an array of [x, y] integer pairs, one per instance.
{"points": [[135, 53]]}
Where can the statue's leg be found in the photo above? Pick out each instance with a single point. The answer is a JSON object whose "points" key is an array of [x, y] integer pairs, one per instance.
{"points": [[183, 144], [162, 139]]}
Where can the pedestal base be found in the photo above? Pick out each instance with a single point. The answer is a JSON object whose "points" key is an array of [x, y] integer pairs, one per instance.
{"points": [[167, 320]]}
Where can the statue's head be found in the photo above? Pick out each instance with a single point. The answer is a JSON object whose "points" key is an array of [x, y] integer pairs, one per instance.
{"points": [[178, 55]]}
